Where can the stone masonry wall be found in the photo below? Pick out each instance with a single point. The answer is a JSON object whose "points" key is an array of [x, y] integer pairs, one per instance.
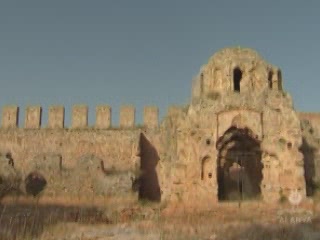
{"points": [[80, 159]]}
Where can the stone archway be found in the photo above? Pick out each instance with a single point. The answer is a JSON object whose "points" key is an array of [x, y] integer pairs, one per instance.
{"points": [[239, 166]]}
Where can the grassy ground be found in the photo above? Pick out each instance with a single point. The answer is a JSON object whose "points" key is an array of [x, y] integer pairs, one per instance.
{"points": [[105, 219]]}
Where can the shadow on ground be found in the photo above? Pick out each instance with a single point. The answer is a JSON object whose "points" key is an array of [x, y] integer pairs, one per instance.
{"points": [[20, 221], [283, 232]]}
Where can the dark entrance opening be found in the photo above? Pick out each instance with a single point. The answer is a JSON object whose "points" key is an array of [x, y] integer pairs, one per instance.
{"points": [[237, 75], [148, 187], [239, 167]]}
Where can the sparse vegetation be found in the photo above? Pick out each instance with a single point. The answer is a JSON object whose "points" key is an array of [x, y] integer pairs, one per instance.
{"points": [[144, 221]]}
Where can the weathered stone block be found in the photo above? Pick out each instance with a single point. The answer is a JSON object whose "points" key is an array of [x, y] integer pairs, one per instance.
{"points": [[56, 117], [103, 117], [10, 116], [151, 117], [79, 116], [33, 117], [127, 116], [240, 119]]}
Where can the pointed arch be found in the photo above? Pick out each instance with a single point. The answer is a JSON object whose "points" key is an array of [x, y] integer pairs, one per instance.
{"points": [[239, 165]]}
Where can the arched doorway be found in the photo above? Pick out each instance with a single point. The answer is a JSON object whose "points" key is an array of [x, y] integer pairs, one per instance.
{"points": [[239, 166]]}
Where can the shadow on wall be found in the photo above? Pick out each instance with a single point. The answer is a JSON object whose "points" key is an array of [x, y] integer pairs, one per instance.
{"points": [[309, 166], [29, 221], [35, 183], [149, 188]]}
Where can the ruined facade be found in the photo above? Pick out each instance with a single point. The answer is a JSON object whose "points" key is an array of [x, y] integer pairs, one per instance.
{"points": [[239, 138]]}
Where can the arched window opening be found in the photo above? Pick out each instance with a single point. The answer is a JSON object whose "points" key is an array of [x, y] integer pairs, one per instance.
{"points": [[270, 75], [279, 79], [237, 75], [201, 77], [201, 83]]}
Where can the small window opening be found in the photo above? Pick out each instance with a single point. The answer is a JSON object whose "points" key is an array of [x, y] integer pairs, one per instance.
{"points": [[208, 141], [237, 75], [279, 80], [201, 77], [270, 79]]}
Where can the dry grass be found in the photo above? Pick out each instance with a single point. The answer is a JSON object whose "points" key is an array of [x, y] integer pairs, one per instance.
{"points": [[46, 219]]}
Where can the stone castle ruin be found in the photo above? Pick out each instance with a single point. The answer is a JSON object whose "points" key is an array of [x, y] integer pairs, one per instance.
{"points": [[239, 138]]}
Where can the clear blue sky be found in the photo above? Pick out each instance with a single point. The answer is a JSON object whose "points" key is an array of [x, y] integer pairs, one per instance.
{"points": [[145, 52]]}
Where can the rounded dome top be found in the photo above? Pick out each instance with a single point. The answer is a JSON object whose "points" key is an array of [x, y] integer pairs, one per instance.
{"points": [[237, 69], [236, 54]]}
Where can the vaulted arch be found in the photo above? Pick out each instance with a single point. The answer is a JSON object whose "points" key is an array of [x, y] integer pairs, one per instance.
{"points": [[239, 166]]}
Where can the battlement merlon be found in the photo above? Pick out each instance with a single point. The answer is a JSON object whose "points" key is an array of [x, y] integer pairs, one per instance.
{"points": [[56, 117], [33, 117], [151, 116], [79, 117], [10, 116], [127, 116], [103, 117]]}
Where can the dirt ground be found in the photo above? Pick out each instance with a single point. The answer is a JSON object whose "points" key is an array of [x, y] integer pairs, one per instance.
{"points": [[30, 219]]}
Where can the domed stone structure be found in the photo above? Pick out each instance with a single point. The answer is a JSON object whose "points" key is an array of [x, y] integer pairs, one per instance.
{"points": [[238, 70]]}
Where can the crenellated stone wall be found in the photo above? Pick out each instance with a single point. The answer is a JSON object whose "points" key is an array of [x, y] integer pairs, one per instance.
{"points": [[79, 117], [63, 154], [239, 120]]}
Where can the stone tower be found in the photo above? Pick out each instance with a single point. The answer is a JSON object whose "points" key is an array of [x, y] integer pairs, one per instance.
{"points": [[240, 136]]}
